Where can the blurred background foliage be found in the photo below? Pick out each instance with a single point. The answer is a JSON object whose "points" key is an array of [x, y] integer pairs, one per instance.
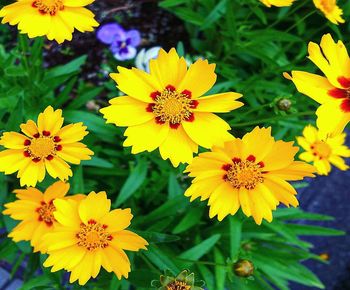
{"points": [[252, 46]]}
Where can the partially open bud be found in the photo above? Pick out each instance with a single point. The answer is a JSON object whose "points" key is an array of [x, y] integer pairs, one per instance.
{"points": [[243, 268], [284, 104], [184, 281]]}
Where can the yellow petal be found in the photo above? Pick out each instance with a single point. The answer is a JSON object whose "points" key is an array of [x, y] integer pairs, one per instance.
{"points": [[58, 168], [297, 170], [135, 84], [75, 152], [128, 240], [95, 206], [72, 133], [77, 3], [223, 201], [50, 120], [13, 140], [117, 219], [80, 18], [126, 111], [29, 128], [57, 190], [182, 152], [168, 68], [282, 190], [312, 85], [243, 195], [338, 162], [258, 143], [59, 30], [147, 136], [203, 188], [199, 78], [331, 120], [67, 213], [281, 155], [323, 166], [32, 173], [207, 130], [219, 103], [307, 156]]}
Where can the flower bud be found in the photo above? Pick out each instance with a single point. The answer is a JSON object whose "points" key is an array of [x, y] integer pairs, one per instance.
{"points": [[243, 268], [284, 104]]}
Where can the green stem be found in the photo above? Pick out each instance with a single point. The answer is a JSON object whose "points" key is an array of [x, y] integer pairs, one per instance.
{"points": [[277, 118], [201, 262]]}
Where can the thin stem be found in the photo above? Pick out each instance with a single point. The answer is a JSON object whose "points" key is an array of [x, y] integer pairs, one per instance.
{"points": [[277, 118], [201, 262]]}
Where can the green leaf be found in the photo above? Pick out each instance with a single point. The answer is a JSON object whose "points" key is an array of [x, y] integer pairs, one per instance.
{"points": [[66, 69], [153, 237], [215, 14], [36, 282], [134, 181], [84, 97], [97, 162], [160, 259], [201, 249], [235, 236], [220, 271], [192, 218], [171, 3], [174, 187]]}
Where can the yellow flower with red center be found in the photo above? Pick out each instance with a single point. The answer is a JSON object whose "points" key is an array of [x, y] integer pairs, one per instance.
{"points": [[278, 3], [56, 19], [46, 146], [331, 91], [90, 236], [331, 10], [35, 211], [323, 152], [166, 108], [249, 173]]}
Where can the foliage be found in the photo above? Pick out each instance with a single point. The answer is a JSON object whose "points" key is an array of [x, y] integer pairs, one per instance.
{"points": [[251, 46]]}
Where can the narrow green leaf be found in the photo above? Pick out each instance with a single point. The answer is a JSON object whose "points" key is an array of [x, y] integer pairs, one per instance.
{"points": [[134, 181]]}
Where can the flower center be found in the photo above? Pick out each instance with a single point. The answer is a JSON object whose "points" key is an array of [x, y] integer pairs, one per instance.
{"points": [[321, 149], [93, 236], [42, 146], [48, 6], [45, 213], [178, 285], [244, 173], [172, 107]]}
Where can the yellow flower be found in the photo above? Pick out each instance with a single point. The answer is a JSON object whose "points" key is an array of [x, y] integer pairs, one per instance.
{"points": [[250, 173], [278, 3], [56, 19], [332, 91], [331, 10], [90, 236], [323, 152], [166, 109], [45, 146], [35, 211]]}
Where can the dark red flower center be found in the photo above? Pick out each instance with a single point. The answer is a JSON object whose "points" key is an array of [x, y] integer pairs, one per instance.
{"points": [[42, 146], [244, 173], [48, 6], [172, 107]]}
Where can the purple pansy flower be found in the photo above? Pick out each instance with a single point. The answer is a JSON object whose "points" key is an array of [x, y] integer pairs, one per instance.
{"points": [[122, 42]]}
